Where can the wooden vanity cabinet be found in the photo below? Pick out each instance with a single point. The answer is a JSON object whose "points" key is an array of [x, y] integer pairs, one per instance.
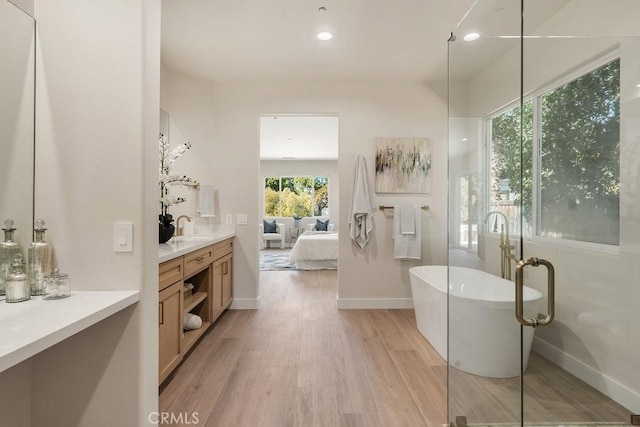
{"points": [[197, 260], [197, 302], [170, 321], [227, 281], [222, 277], [209, 270]]}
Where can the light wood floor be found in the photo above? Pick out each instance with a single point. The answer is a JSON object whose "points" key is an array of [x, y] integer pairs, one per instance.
{"points": [[299, 361]]}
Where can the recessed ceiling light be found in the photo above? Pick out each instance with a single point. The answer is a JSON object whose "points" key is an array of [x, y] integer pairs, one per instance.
{"points": [[638, 85], [289, 139], [324, 36], [464, 140], [471, 37]]}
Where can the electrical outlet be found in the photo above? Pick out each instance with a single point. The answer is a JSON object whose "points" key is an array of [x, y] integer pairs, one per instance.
{"points": [[228, 219], [241, 219]]}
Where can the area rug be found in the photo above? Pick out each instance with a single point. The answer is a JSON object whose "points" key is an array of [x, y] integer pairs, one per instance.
{"points": [[275, 261]]}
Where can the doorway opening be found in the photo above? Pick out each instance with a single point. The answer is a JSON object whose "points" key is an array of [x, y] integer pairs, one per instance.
{"points": [[299, 191]]}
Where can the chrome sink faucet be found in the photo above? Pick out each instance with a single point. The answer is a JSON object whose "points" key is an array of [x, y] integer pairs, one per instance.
{"points": [[180, 230], [505, 246]]}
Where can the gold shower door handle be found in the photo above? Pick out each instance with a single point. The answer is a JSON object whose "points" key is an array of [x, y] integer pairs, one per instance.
{"points": [[535, 322]]}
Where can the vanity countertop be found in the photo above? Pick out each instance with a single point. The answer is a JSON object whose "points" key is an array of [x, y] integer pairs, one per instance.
{"points": [[32, 326], [182, 245]]}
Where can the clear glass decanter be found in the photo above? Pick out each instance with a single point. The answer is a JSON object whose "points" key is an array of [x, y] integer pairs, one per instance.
{"points": [[56, 286], [17, 282], [8, 251], [39, 256]]}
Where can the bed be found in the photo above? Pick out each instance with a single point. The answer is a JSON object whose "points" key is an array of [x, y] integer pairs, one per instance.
{"points": [[315, 250]]}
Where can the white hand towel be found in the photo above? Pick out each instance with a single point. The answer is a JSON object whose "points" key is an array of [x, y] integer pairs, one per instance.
{"points": [[407, 219], [407, 246], [191, 321], [206, 203], [362, 211]]}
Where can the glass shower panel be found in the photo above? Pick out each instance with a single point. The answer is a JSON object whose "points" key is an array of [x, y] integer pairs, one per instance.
{"points": [[484, 336], [544, 162], [582, 73]]}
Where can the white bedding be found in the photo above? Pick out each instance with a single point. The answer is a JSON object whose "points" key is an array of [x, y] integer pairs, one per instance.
{"points": [[314, 246]]}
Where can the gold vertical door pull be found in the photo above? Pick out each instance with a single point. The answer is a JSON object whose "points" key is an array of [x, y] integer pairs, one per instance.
{"points": [[535, 322]]}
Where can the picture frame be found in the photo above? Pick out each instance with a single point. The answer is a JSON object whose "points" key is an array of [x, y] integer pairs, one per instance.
{"points": [[403, 165]]}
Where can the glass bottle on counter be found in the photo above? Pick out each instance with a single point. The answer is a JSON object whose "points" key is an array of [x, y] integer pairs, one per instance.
{"points": [[56, 286], [17, 284], [8, 251], [39, 256]]}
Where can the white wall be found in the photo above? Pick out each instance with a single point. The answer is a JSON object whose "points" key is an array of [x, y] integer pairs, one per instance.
{"points": [[366, 111], [97, 84], [189, 102], [596, 330]]}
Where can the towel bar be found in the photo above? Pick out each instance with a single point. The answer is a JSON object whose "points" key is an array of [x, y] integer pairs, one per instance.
{"points": [[383, 207]]}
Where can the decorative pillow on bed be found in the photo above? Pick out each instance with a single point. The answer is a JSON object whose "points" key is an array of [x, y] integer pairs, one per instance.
{"points": [[321, 225], [269, 226]]}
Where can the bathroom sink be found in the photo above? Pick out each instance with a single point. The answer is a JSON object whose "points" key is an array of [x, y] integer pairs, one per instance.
{"points": [[180, 245], [192, 238]]}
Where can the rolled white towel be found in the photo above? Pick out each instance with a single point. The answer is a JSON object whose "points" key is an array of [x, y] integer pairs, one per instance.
{"points": [[191, 321]]}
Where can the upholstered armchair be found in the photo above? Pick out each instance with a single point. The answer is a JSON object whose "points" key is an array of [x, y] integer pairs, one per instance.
{"points": [[266, 238]]}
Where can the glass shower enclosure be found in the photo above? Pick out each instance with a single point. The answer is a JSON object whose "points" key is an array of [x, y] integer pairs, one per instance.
{"points": [[544, 213]]}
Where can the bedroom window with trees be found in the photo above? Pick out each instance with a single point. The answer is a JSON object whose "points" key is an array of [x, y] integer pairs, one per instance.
{"points": [[575, 192], [289, 196]]}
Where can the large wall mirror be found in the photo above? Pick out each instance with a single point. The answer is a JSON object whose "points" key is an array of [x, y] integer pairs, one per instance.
{"points": [[17, 120]]}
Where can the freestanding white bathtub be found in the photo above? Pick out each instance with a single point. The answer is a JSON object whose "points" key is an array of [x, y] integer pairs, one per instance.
{"points": [[484, 335]]}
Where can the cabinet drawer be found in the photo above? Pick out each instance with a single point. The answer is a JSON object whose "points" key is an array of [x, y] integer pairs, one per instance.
{"points": [[198, 260], [170, 272], [223, 248]]}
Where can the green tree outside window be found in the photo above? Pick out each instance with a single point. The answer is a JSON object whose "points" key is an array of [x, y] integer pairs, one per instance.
{"points": [[296, 196], [579, 150]]}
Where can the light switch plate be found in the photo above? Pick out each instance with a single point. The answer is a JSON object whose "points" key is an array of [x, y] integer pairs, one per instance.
{"points": [[123, 237], [241, 219]]}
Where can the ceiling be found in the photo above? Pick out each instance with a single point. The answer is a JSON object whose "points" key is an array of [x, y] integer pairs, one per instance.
{"points": [[257, 40], [498, 22], [374, 40]]}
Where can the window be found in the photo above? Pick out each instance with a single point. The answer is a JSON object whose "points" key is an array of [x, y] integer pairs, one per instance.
{"points": [[303, 196], [575, 193], [468, 215], [508, 190], [580, 158]]}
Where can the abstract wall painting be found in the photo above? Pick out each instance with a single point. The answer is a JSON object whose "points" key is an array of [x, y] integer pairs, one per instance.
{"points": [[403, 165]]}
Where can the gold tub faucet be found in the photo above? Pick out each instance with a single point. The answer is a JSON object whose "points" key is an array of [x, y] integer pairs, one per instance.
{"points": [[505, 246]]}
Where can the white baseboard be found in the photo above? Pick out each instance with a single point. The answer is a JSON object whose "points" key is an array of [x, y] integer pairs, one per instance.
{"points": [[601, 382], [245, 304], [360, 303]]}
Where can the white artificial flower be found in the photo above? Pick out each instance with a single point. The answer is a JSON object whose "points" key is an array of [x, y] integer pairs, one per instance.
{"points": [[166, 157]]}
